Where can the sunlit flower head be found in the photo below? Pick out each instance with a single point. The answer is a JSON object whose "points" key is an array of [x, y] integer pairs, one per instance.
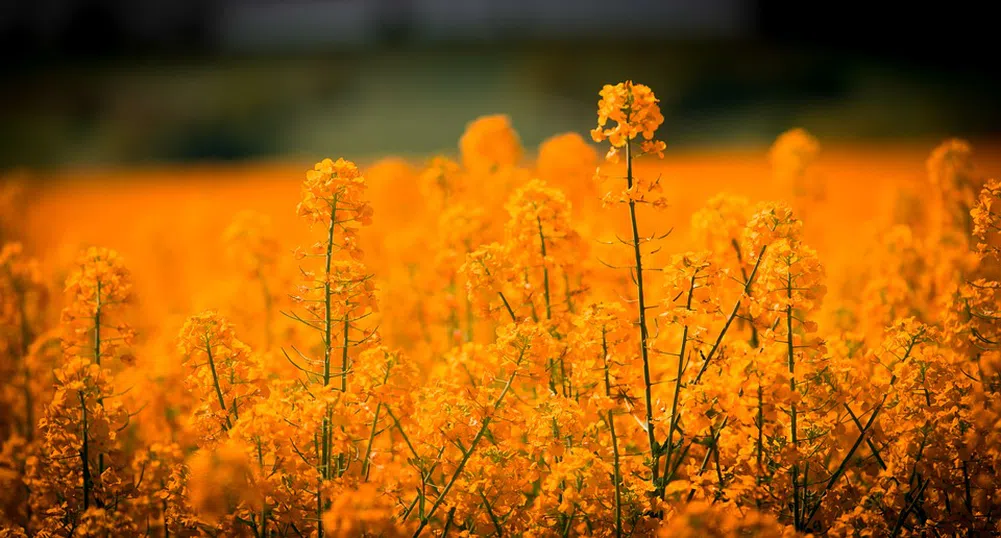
{"points": [[634, 112], [335, 189]]}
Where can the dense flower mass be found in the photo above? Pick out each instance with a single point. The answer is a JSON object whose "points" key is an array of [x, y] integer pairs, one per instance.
{"points": [[515, 350]]}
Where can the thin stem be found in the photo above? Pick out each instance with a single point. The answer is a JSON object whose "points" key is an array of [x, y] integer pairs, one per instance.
{"points": [[644, 350], [264, 504], [907, 509], [755, 342], [468, 452], [797, 514], [760, 422], [498, 527], [366, 464], [97, 360], [868, 441], [545, 271], [215, 383], [97, 325], [616, 469], [319, 505], [448, 523], [568, 292], [344, 382], [713, 440], [967, 497], [733, 315], [88, 481], [678, 383], [507, 306], [858, 441], [325, 427], [549, 314]]}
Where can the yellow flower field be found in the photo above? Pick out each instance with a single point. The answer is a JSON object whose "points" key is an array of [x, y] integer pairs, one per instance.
{"points": [[599, 336]]}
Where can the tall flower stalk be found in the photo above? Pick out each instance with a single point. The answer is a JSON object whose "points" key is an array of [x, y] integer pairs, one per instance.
{"points": [[634, 111], [336, 299]]}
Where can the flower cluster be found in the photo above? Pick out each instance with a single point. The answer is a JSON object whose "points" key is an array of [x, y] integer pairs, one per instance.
{"points": [[633, 109]]}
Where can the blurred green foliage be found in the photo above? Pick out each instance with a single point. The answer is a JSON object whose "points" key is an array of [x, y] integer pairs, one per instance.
{"points": [[416, 100]]}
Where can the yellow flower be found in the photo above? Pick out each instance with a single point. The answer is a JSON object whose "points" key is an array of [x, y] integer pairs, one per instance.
{"points": [[634, 111]]}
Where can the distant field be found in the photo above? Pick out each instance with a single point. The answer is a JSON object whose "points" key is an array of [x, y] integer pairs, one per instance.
{"points": [[160, 215]]}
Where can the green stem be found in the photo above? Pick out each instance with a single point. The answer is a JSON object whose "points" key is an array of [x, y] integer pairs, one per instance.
{"points": [[215, 383], [507, 305], [842, 467], [97, 325], [792, 386], [493, 517], [97, 360], [469, 451], [88, 481], [760, 422], [733, 315], [549, 314], [264, 505], [448, 523], [545, 271], [908, 509], [567, 292], [967, 496], [868, 441], [644, 351], [344, 355], [713, 447], [327, 348], [678, 385], [366, 464], [616, 469], [755, 342], [344, 384]]}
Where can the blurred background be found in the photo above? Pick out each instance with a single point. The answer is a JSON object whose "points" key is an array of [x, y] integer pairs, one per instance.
{"points": [[109, 82]]}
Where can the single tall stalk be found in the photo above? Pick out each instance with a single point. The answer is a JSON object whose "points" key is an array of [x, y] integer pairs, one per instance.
{"points": [[325, 433], [644, 351], [549, 316], [88, 480], [792, 386], [97, 360]]}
